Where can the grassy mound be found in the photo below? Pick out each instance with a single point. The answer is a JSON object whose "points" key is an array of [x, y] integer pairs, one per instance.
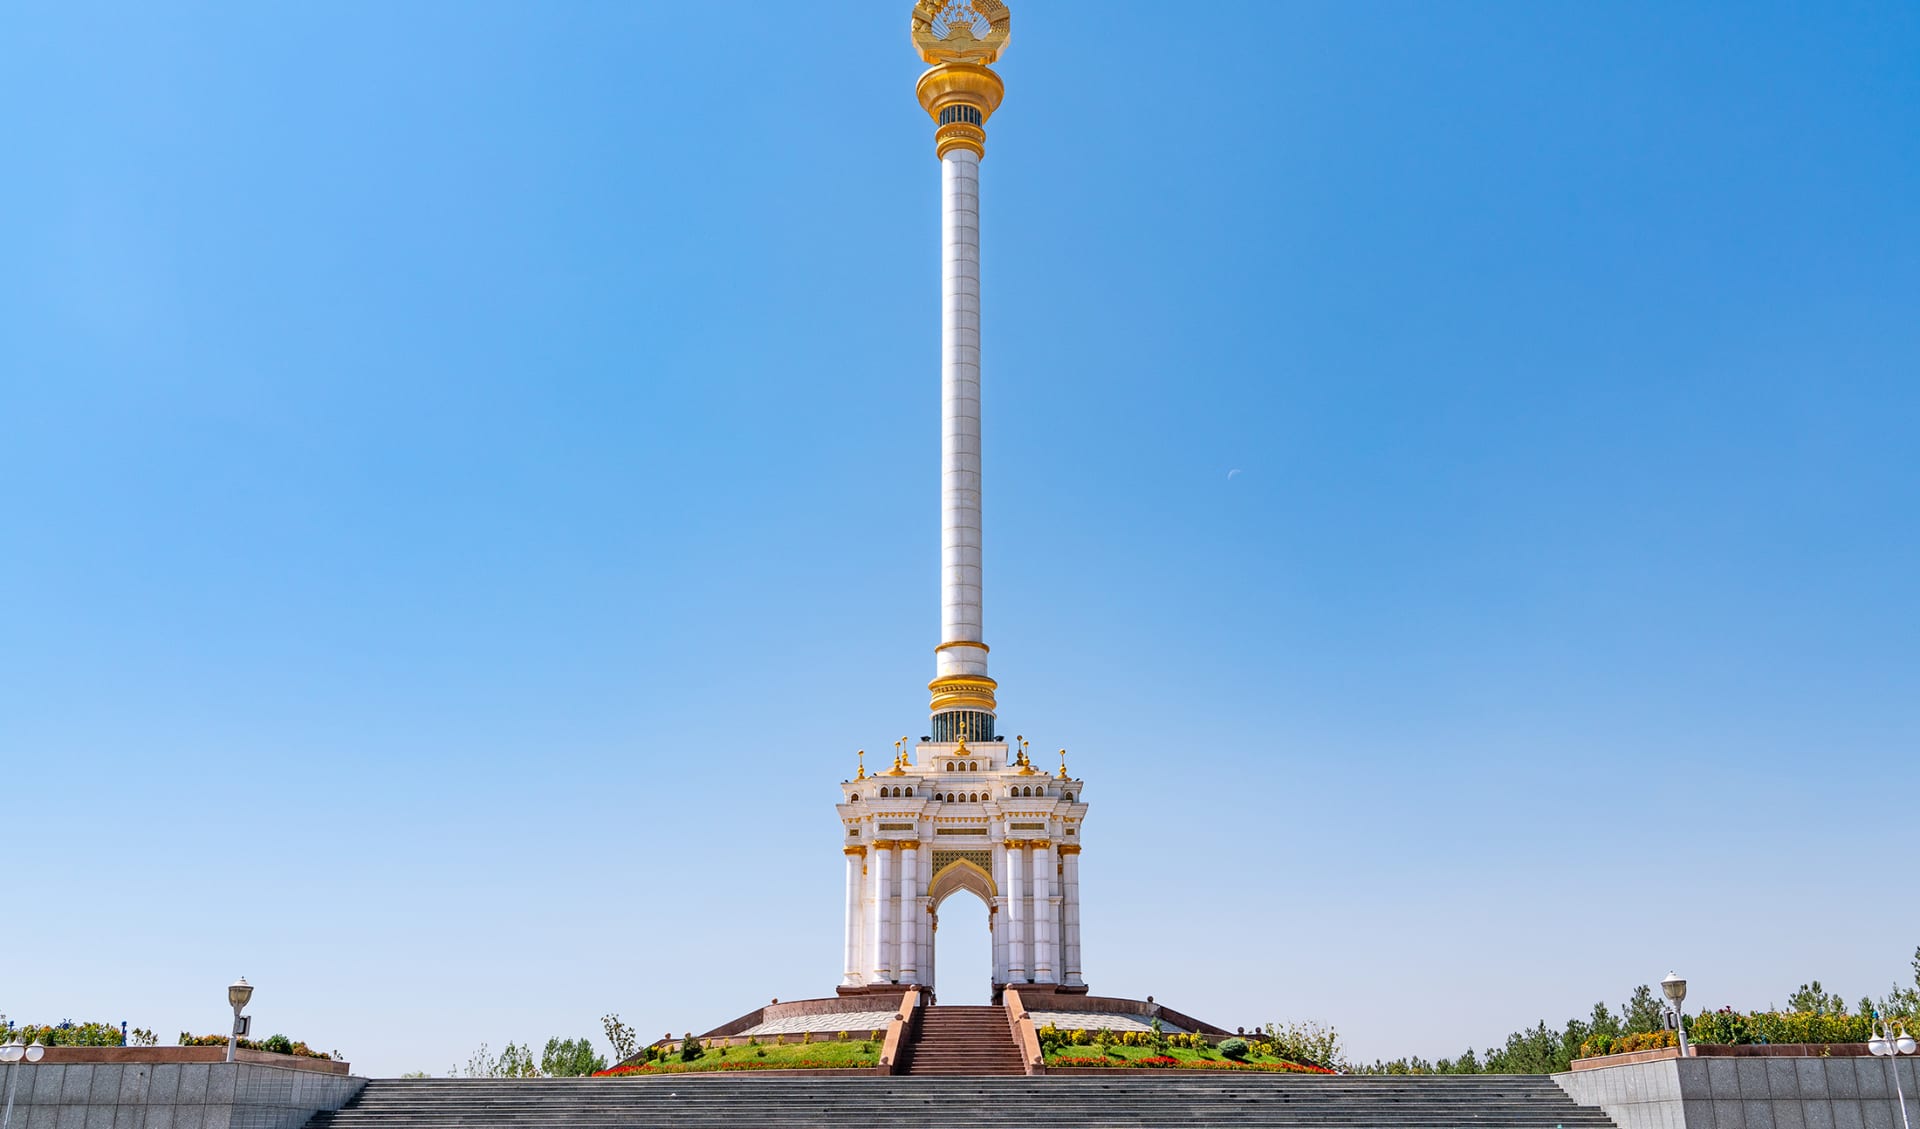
{"points": [[823, 1055]]}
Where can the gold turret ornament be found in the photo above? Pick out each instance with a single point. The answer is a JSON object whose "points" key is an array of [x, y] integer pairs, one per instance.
{"points": [[862, 754], [960, 40], [1063, 764]]}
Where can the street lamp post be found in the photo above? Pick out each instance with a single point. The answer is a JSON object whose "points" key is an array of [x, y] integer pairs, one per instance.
{"points": [[238, 993], [1885, 1044], [1676, 990], [11, 1053]]}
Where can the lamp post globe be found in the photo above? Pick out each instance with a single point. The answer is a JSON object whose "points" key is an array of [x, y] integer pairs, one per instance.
{"points": [[1674, 987], [11, 1050], [1905, 1044], [35, 1052]]}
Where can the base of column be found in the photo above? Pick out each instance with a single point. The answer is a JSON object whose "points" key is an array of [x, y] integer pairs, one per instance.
{"points": [[886, 989], [1030, 990]]}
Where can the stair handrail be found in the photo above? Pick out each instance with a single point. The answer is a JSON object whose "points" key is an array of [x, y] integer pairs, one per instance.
{"points": [[899, 1031], [1024, 1036]]}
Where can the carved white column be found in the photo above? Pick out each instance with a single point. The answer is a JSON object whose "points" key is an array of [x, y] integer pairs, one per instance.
{"points": [[908, 965], [923, 911], [1016, 911], [960, 415], [856, 861], [1070, 880], [883, 902], [1043, 911]]}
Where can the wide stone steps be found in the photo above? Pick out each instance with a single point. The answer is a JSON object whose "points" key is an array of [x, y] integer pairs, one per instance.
{"points": [[1130, 1100], [974, 1041]]}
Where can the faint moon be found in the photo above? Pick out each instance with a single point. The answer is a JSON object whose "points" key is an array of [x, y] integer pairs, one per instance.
{"points": [[1230, 474]]}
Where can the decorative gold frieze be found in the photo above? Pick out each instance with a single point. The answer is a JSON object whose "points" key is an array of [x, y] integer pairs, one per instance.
{"points": [[962, 691], [959, 831]]}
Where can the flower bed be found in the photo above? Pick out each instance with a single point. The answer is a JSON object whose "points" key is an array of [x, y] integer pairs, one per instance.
{"points": [[814, 1056], [1176, 1058]]}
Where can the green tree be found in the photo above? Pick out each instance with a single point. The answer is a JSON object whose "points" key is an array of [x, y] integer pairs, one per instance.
{"points": [[624, 1040], [570, 1058], [1643, 1013], [517, 1062], [1812, 999]]}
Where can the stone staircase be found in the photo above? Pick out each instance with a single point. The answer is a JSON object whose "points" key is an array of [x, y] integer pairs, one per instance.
{"points": [[973, 1041], [1131, 1099]]}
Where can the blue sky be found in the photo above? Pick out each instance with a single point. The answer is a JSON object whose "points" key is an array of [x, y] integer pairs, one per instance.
{"points": [[470, 480]]}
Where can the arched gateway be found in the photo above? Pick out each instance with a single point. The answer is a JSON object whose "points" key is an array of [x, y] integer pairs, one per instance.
{"points": [[1010, 836], [962, 809]]}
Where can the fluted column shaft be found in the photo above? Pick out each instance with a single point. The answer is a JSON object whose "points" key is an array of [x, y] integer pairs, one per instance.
{"points": [[1016, 913], [856, 865], [909, 963], [883, 911], [1043, 932], [1070, 882], [960, 524]]}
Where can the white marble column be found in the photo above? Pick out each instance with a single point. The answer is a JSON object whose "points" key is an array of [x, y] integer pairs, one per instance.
{"points": [[960, 588], [883, 900], [923, 908], [1043, 910], [1016, 913], [998, 912], [1070, 881], [856, 866], [911, 909]]}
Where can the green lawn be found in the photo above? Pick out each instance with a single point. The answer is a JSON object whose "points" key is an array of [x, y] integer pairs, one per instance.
{"points": [[1185, 1058], [821, 1055]]}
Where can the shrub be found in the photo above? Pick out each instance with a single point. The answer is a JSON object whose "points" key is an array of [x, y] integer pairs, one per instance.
{"points": [[1081, 1038], [1103, 1038], [1308, 1043], [806, 1038], [1619, 1045], [877, 1035], [846, 1036], [1159, 1035], [690, 1048], [1235, 1049], [760, 1053], [293, 1047]]}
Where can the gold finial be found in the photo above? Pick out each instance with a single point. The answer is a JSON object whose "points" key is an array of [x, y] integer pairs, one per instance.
{"points": [[862, 754], [960, 729], [961, 31], [1063, 764]]}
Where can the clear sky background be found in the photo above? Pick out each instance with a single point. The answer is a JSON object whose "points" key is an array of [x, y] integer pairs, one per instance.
{"points": [[470, 484]]}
